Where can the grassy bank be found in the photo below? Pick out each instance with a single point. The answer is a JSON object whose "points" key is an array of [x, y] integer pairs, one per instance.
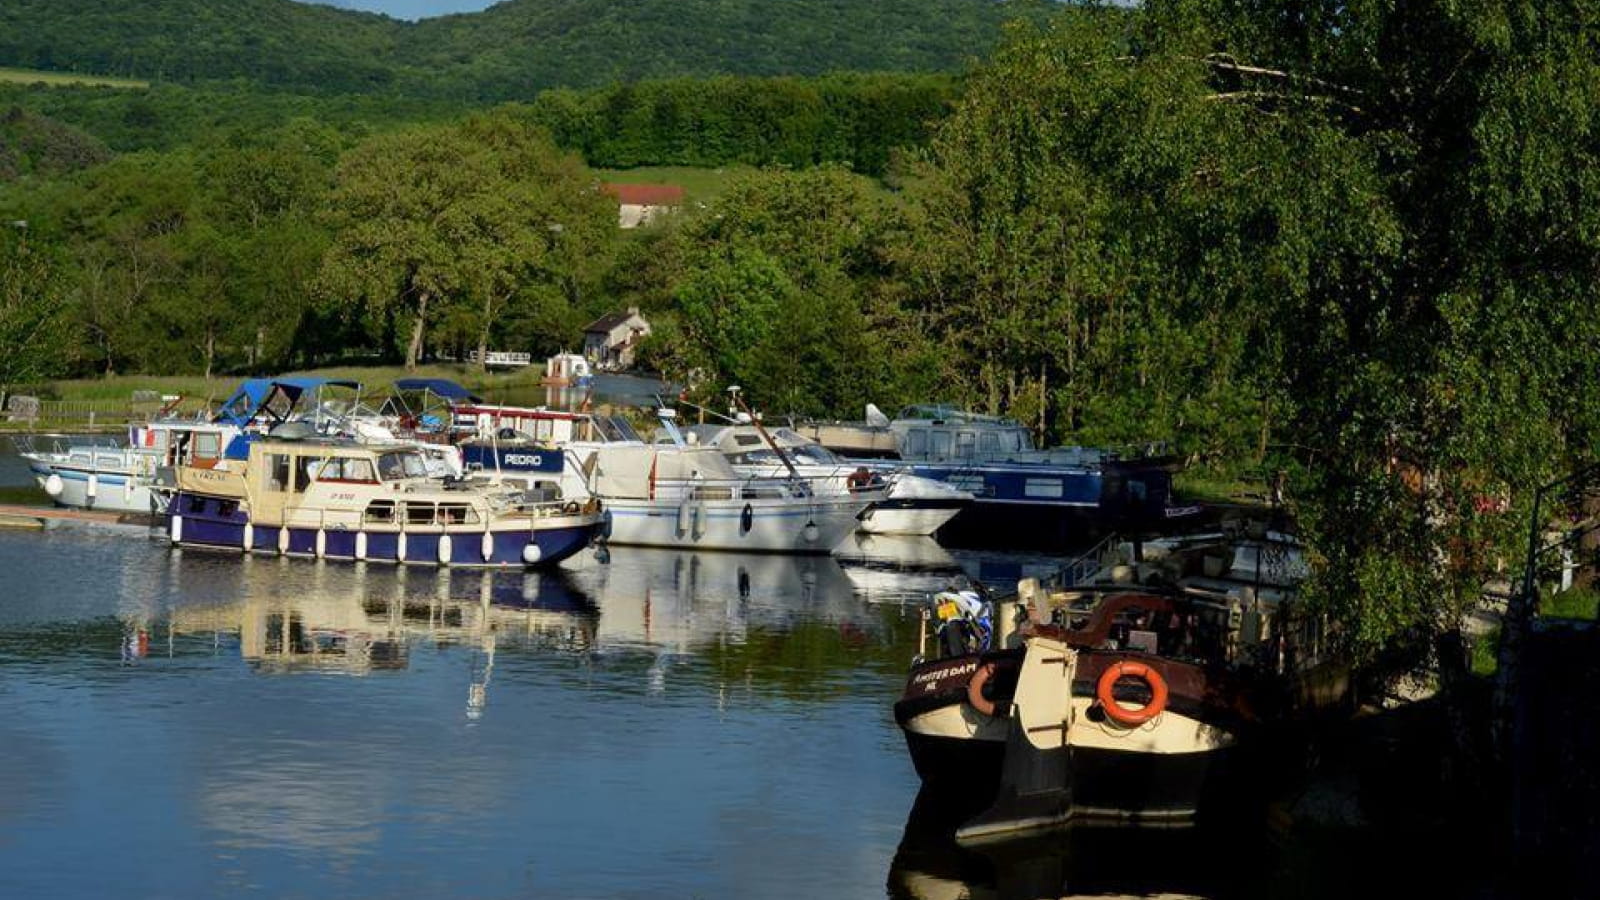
{"points": [[62, 79], [374, 380], [111, 398]]}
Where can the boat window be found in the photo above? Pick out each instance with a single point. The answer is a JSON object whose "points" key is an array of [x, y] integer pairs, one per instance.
{"points": [[305, 468], [746, 440], [966, 444], [401, 464], [457, 514], [917, 443], [381, 511], [347, 469], [1042, 487], [207, 445], [197, 504], [1020, 440], [815, 456], [419, 513], [989, 444], [1137, 491], [278, 471], [939, 445]]}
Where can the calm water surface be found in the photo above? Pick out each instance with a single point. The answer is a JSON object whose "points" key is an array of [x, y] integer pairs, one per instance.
{"points": [[189, 724]]}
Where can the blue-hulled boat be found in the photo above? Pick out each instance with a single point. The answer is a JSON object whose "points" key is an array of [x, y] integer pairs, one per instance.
{"points": [[1049, 499], [337, 500]]}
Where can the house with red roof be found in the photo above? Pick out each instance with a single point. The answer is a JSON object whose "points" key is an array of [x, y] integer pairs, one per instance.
{"points": [[638, 204]]}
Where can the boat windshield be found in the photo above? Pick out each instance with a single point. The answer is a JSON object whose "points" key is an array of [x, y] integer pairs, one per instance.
{"points": [[815, 455], [398, 464], [615, 429]]}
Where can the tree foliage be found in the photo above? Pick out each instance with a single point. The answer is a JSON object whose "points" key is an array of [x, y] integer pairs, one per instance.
{"points": [[432, 218]]}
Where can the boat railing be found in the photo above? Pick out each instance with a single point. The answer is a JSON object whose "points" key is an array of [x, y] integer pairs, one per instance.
{"points": [[750, 487], [1086, 566], [57, 444]]}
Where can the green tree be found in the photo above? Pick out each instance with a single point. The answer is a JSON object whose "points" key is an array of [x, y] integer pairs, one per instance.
{"points": [[35, 326]]}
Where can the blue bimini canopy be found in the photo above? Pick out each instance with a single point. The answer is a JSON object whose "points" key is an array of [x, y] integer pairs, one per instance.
{"points": [[443, 387], [253, 396]]}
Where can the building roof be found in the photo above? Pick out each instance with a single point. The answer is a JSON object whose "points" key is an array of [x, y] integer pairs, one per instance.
{"points": [[607, 322], [645, 194]]}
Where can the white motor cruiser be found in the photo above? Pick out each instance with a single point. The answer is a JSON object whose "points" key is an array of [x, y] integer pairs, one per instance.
{"points": [[677, 495], [911, 505]]}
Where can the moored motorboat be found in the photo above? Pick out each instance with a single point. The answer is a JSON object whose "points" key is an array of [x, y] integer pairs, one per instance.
{"points": [[911, 505], [340, 500], [1111, 701], [88, 473], [1024, 497], [660, 496]]}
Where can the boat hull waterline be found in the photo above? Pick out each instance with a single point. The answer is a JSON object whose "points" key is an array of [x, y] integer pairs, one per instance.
{"points": [[753, 525], [109, 490], [195, 522]]}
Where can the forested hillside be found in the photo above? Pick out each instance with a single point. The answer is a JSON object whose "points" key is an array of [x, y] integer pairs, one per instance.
{"points": [[272, 42], [510, 51]]}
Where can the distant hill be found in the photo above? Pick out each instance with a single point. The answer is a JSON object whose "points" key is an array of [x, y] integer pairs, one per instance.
{"points": [[508, 51], [31, 144], [275, 42]]}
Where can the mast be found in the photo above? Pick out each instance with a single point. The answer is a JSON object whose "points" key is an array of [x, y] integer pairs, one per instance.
{"points": [[738, 399]]}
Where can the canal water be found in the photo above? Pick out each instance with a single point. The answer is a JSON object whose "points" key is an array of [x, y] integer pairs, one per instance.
{"points": [[663, 724], [666, 724]]}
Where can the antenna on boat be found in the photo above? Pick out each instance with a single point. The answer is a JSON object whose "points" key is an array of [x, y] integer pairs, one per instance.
{"points": [[736, 395]]}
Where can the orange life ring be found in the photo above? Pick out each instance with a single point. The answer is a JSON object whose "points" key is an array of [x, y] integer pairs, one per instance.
{"points": [[975, 689], [1116, 711]]}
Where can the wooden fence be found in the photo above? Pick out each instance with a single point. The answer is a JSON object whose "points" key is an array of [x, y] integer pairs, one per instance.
{"points": [[89, 415]]}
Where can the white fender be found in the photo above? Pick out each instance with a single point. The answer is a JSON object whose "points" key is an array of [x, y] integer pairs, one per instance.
{"points": [[698, 525], [322, 543], [283, 539], [249, 537], [811, 532], [94, 486], [486, 546], [531, 553], [446, 548], [53, 485], [177, 529], [361, 545], [400, 549], [683, 518]]}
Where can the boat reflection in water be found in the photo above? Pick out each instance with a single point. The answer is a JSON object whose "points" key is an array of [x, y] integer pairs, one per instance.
{"points": [[678, 601], [1076, 862], [355, 620], [886, 568]]}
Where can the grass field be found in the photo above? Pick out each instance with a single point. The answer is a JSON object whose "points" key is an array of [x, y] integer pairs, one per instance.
{"points": [[31, 76], [699, 185], [374, 379]]}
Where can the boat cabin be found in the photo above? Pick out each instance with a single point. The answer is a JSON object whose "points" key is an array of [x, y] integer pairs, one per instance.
{"points": [[743, 445], [333, 485]]}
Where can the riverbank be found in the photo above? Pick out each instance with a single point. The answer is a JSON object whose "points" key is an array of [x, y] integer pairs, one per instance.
{"points": [[108, 403]]}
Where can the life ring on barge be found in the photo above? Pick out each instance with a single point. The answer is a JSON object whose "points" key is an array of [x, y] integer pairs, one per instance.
{"points": [[975, 686], [1121, 714]]}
